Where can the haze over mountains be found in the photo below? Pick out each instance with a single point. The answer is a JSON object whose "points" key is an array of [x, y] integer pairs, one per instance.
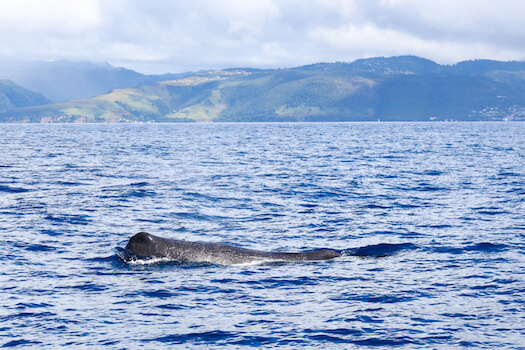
{"points": [[62, 81], [14, 96], [401, 88]]}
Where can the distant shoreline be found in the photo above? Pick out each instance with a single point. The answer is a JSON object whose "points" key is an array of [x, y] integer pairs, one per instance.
{"points": [[395, 89]]}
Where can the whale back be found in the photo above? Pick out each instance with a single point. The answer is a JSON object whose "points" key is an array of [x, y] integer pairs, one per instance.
{"points": [[144, 245], [318, 254]]}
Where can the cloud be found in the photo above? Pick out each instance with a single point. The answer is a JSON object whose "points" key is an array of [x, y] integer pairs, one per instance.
{"points": [[464, 21], [160, 36], [45, 28]]}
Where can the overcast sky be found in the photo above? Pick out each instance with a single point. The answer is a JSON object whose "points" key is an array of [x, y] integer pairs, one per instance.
{"points": [[159, 36]]}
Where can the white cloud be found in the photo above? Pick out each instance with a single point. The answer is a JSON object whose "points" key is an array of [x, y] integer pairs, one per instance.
{"points": [[46, 29], [48, 16], [159, 35]]}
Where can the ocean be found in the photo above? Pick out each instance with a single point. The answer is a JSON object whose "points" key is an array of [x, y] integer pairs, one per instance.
{"points": [[451, 194]]}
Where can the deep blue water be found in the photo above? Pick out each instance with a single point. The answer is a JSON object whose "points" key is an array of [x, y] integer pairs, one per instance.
{"points": [[454, 194]]}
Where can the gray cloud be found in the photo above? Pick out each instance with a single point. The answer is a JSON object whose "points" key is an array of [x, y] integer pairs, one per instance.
{"points": [[160, 36]]}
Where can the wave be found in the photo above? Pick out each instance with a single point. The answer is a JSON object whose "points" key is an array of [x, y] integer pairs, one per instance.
{"points": [[215, 337], [9, 189], [486, 247], [20, 342], [482, 247], [379, 250]]}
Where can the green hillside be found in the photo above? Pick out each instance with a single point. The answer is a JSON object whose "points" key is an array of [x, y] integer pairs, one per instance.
{"points": [[15, 96], [400, 88]]}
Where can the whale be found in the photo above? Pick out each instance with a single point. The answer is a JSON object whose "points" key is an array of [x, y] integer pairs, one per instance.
{"points": [[146, 246]]}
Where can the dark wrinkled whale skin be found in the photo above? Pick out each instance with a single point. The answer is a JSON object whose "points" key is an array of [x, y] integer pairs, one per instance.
{"points": [[143, 245]]}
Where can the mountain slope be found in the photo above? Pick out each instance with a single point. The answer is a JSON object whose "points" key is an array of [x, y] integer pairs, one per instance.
{"points": [[15, 96], [399, 89], [65, 80]]}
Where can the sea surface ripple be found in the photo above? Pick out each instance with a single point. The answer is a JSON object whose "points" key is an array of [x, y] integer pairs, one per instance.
{"points": [[451, 195]]}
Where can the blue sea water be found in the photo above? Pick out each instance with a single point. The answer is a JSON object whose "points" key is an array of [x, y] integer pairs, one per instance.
{"points": [[452, 194]]}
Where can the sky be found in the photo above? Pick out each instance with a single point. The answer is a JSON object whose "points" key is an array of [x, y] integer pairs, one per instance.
{"points": [[160, 36]]}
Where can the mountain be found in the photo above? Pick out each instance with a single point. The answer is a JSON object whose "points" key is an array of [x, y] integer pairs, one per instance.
{"points": [[15, 96], [404, 88], [63, 80]]}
